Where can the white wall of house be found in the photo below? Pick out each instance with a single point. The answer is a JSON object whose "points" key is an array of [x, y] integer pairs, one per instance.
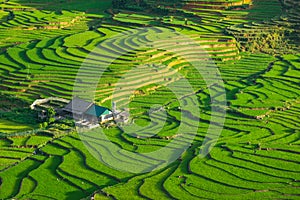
{"points": [[105, 118]]}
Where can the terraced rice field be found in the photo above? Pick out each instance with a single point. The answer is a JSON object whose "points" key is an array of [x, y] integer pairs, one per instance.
{"points": [[43, 47], [11, 127]]}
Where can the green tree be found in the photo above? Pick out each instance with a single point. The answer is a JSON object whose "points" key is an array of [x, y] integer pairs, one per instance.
{"points": [[51, 113], [45, 124]]}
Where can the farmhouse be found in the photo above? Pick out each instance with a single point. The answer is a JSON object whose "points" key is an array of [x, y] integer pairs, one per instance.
{"points": [[87, 111]]}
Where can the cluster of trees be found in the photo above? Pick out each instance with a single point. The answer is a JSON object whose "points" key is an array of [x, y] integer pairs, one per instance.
{"points": [[21, 115], [136, 4], [50, 118], [158, 6], [268, 41], [16, 110], [11, 15], [62, 124]]}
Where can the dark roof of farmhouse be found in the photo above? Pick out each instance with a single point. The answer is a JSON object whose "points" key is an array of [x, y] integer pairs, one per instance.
{"points": [[78, 106]]}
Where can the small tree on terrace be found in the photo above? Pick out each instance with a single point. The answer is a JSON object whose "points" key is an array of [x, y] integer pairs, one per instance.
{"points": [[51, 113]]}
